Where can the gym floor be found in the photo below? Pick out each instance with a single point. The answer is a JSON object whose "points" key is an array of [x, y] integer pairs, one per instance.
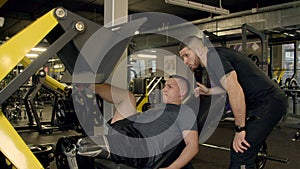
{"points": [[279, 144]]}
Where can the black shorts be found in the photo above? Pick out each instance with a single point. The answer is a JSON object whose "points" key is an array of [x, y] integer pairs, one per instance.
{"points": [[125, 127], [124, 148]]}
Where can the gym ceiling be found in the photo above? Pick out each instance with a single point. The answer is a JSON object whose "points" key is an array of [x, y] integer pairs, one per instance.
{"points": [[18, 14]]}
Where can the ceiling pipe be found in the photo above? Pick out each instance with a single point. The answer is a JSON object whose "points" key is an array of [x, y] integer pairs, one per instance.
{"points": [[198, 6], [249, 12]]}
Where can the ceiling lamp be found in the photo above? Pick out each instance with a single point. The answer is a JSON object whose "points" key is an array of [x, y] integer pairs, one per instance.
{"points": [[39, 49], [198, 6], [31, 55], [2, 21]]}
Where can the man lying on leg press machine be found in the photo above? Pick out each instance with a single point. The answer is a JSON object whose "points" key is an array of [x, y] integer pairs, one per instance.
{"points": [[139, 140]]}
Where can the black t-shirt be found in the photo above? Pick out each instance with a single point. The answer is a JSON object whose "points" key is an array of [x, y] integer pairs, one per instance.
{"points": [[161, 129], [164, 124], [255, 83]]}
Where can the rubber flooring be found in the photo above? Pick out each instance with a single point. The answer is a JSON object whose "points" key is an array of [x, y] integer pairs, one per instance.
{"points": [[279, 146], [279, 143]]}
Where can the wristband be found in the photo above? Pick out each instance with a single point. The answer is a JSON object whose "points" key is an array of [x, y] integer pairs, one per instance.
{"points": [[238, 128]]}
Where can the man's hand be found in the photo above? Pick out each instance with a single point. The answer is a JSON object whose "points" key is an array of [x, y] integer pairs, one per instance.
{"points": [[201, 90], [239, 142]]}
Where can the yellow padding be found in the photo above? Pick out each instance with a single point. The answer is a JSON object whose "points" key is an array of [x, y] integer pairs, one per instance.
{"points": [[51, 82]]}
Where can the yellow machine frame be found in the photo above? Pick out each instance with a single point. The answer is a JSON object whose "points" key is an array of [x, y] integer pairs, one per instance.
{"points": [[149, 89], [77, 30], [11, 144]]}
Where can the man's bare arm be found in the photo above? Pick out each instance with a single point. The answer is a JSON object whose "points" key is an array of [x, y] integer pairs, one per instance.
{"points": [[238, 106], [189, 152], [123, 100], [236, 97], [203, 90]]}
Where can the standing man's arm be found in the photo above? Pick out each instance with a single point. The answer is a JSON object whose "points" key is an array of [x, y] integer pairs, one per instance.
{"points": [[238, 106], [203, 90], [189, 152]]}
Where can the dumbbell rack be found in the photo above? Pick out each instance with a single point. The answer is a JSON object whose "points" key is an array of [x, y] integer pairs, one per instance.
{"points": [[294, 94]]}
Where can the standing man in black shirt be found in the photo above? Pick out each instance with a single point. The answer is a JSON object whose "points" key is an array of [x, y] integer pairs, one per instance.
{"points": [[256, 102]]}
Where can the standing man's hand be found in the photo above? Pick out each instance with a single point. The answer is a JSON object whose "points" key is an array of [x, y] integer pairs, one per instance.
{"points": [[201, 90], [239, 142]]}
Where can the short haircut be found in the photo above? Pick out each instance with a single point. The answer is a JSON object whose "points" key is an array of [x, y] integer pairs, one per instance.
{"points": [[188, 41], [184, 80]]}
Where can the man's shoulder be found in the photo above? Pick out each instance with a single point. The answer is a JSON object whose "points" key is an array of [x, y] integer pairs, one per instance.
{"points": [[187, 111], [186, 107]]}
